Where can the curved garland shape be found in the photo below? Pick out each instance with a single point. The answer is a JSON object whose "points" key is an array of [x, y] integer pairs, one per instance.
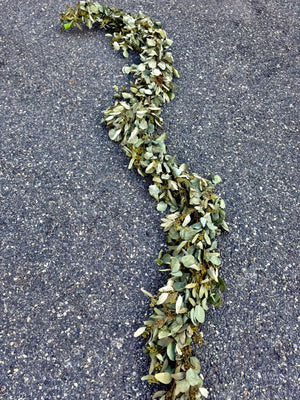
{"points": [[196, 214]]}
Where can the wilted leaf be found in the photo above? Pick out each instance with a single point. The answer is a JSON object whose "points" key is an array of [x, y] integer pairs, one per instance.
{"points": [[146, 292]]}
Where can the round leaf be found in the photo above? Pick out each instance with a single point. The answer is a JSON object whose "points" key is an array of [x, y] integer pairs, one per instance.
{"points": [[163, 377], [193, 378], [182, 386]]}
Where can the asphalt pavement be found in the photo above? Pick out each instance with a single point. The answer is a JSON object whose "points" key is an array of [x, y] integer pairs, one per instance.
{"points": [[79, 232]]}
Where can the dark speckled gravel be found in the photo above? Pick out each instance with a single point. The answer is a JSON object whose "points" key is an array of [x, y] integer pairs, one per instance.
{"points": [[79, 232]]}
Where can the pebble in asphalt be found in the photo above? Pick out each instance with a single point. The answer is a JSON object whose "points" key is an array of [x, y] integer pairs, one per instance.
{"points": [[79, 232]]}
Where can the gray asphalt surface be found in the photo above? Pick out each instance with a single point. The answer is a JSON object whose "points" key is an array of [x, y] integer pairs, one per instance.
{"points": [[79, 232]]}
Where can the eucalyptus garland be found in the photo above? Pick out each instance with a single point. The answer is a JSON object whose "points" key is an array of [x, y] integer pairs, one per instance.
{"points": [[195, 214]]}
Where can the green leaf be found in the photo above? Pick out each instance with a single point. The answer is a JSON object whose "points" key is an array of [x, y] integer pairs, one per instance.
{"points": [[203, 291], [146, 377], [192, 316], [152, 64], [154, 191], [204, 392], [171, 351], [177, 74], [156, 72], [150, 168], [116, 45], [143, 124], [151, 42], [195, 363], [188, 260], [174, 235], [222, 285], [158, 394], [213, 273], [178, 304], [213, 258], [187, 220], [203, 221], [190, 285], [199, 314], [192, 377], [225, 226], [168, 42], [182, 386], [175, 264], [187, 233], [162, 65], [195, 201], [161, 206], [215, 298], [207, 238], [131, 163], [113, 134], [163, 377], [204, 304], [166, 259], [216, 179], [94, 9], [150, 128], [126, 69], [68, 25], [163, 333]]}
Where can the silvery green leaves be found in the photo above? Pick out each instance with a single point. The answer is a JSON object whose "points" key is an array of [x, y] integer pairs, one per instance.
{"points": [[195, 215]]}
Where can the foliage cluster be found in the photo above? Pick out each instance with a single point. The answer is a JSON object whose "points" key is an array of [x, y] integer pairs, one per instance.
{"points": [[195, 216]]}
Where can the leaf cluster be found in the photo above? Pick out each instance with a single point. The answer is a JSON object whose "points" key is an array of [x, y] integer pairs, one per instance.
{"points": [[196, 215]]}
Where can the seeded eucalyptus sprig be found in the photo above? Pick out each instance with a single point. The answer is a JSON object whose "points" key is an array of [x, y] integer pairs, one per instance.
{"points": [[196, 215]]}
